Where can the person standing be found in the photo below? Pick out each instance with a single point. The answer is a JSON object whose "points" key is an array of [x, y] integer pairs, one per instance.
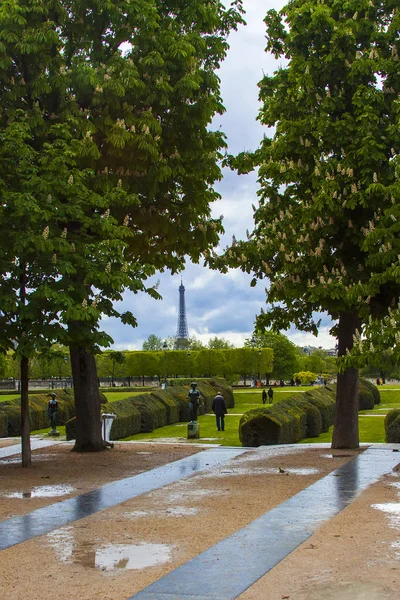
{"points": [[219, 408], [270, 395], [264, 396]]}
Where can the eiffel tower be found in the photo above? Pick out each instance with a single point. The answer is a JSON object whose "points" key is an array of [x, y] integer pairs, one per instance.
{"points": [[182, 329]]}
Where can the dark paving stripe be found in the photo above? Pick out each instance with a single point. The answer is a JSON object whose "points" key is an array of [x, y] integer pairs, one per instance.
{"points": [[226, 570], [25, 527]]}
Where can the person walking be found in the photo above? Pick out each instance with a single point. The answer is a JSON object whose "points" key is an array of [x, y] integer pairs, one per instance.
{"points": [[264, 396], [270, 395], [219, 408]]}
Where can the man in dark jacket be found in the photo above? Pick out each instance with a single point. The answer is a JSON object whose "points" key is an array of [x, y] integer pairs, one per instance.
{"points": [[264, 396], [219, 408]]}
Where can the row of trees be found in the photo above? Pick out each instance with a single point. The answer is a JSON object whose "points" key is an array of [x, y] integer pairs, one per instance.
{"points": [[218, 358], [107, 167]]}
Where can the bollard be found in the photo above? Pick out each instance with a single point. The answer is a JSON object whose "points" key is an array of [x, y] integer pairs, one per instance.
{"points": [[193, 430]]}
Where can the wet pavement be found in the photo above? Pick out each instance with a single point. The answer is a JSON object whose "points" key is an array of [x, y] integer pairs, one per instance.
{"points": [[43, 520], [228, 568]]}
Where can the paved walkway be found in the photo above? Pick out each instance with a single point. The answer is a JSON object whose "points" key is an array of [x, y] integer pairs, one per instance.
{"points": [[226, 570], [43, 520]]}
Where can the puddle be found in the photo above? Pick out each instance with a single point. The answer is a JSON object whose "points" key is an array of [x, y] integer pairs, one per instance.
{"points": [[62, 542], [181, 511], [144, 453], [176, 511], [264, 452], [108, 558], [240, 471], [140, 556], [336, 455], [189, 495], [43, 491], [35, 458], [10, 461], [393, 510], [349, 591]]}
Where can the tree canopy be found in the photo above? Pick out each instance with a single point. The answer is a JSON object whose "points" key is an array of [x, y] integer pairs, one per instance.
{"points": [[108, 161], [326, 226]]}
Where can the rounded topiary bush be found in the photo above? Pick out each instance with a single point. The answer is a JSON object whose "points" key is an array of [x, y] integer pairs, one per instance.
{"points": [[365, 396], [289, 421], [373, 389], [324, 400], [314, 418], [392, 426], [276, 424], [3, 424]]}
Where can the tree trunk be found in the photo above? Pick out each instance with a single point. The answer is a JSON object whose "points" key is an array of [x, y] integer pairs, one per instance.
{"points": [[25, 421], [345, 430], [87, 401]]}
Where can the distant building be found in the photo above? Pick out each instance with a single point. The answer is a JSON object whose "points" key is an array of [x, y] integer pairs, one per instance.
{"points": [[182, 328]]}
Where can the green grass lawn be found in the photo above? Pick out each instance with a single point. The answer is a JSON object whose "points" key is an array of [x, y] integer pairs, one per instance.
{"points": [[208, 431], [371, 428], [60, 428], [9, 397], [114, 396]]}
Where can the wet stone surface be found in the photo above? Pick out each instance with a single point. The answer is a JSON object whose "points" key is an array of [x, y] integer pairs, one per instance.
{"points": [[43, 520], [246, 556]]}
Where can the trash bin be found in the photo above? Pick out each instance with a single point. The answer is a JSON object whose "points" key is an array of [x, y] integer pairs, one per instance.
{"points": [[106, 423], [193, 430]]}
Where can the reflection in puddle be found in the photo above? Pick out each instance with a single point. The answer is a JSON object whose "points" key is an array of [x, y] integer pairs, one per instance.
{"points": [[107, 558], [144, 453], [140, 556], [43, 491]]}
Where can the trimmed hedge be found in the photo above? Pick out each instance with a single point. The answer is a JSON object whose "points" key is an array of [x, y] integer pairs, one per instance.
{"points": [[373, 389], [289, 421], [157, 408], [10, 412], [365, 396], [3, 425], [321, 398], [392, 426]]}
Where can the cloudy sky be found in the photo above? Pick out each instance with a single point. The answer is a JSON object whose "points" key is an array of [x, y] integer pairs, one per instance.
{"points": [[216, 304]]}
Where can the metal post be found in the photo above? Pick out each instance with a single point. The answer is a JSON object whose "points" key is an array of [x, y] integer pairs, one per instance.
{"points": [[165, 347], [188, 356]]}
